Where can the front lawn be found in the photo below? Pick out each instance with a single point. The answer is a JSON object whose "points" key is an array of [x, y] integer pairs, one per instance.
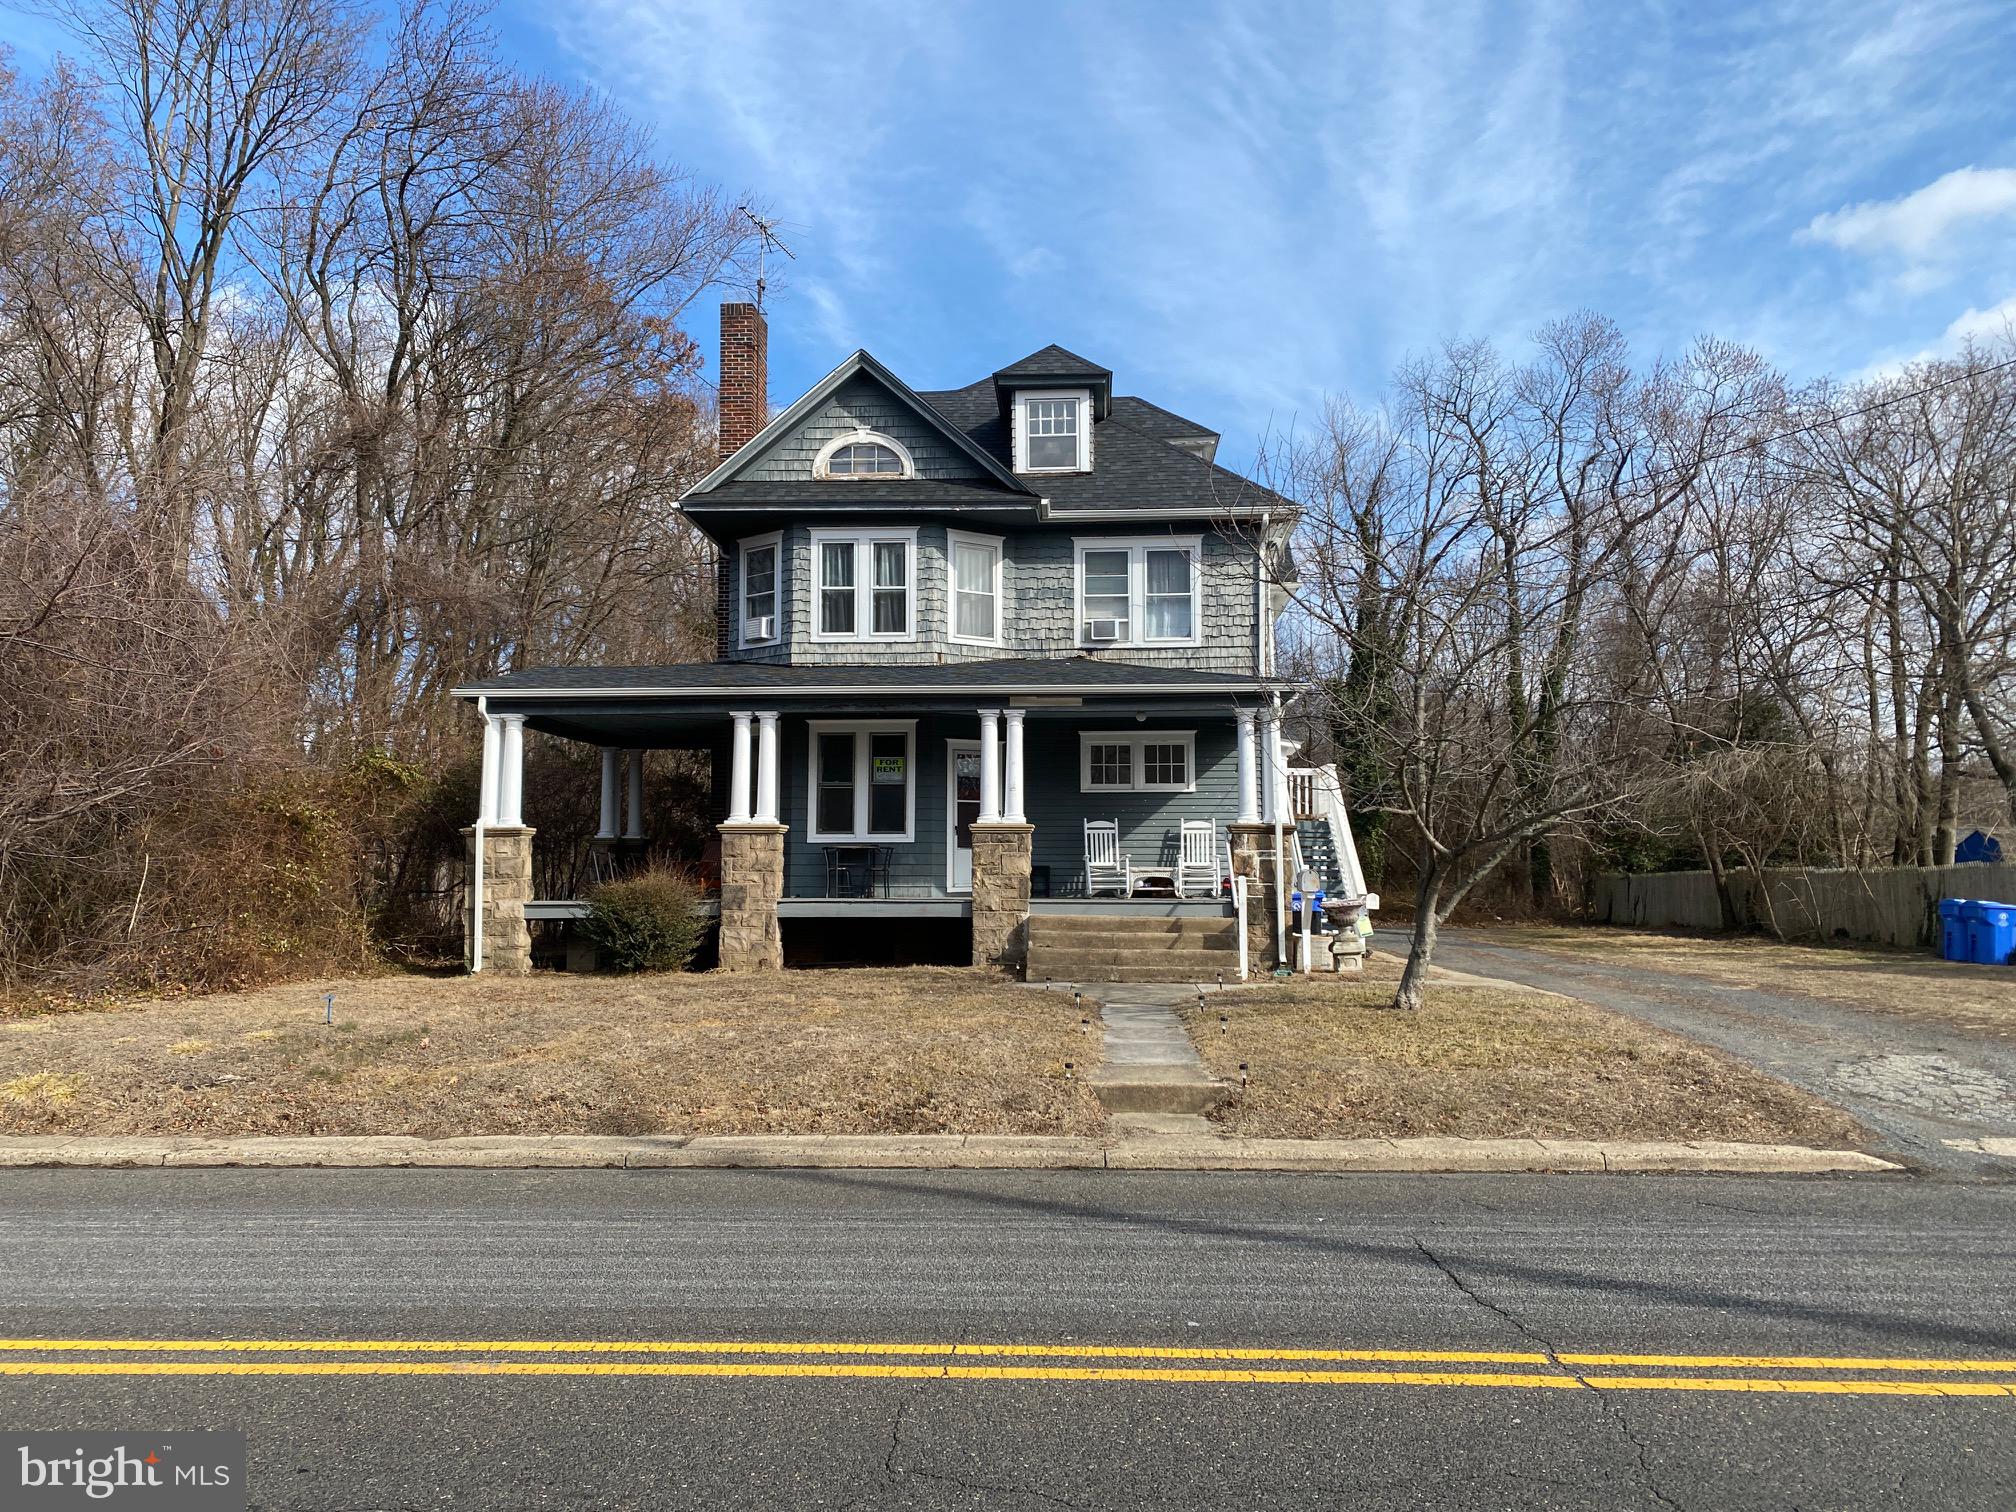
{"points": [[1327, 1058], [1978, 999], [914, 1051]]}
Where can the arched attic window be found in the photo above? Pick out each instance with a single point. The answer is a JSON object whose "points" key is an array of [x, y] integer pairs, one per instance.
{"points": [[864, 454]]}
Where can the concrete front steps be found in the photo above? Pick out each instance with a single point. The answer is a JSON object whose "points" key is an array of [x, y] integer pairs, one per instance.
{"points": [[1117, 948]]}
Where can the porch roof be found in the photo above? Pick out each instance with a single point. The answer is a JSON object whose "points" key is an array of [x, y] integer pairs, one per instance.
{"points": [[687, 706], [1003, 676]]}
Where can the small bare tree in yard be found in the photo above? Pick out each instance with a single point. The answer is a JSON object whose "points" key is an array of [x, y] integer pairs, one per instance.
{"points": [[1467, 558]]}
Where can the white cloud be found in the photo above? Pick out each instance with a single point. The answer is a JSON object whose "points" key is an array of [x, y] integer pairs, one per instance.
{"points": [[1921, 224]]}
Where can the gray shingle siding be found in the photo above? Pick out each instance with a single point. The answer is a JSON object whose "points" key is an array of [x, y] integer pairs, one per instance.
{"points": [[861, 403], [1149, 822], [1039, 612]]}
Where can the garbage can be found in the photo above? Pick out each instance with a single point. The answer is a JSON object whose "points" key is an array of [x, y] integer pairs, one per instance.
{"points": [[1991, 933], [1953, 945]]}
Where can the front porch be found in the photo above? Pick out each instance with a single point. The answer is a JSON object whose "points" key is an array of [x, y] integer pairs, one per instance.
{"points": [[905, 807]]}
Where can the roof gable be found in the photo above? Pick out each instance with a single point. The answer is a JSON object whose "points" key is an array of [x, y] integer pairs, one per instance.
{"points": [[863, 388]]}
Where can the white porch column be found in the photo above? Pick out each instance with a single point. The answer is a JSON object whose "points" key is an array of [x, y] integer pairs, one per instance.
{"points": [[511, 772], [1270, 768], [486, 795], [1012, 786], [611, 777], [633, 826], [738, 771], [1249, 808], [990, 765], [766, 768]]}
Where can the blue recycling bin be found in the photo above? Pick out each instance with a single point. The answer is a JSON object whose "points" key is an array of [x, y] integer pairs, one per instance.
{"points": [[1953, 943], [1991, 933]]}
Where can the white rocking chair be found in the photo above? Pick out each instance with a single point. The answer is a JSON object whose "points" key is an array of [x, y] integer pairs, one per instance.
{"points": [[1197, 859], [1106, 869]]}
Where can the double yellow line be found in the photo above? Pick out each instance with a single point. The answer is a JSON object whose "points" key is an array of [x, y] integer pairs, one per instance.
{"points": [[1829, 1375]]}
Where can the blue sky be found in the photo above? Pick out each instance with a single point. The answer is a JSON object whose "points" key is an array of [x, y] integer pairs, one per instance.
{"points": [[1241, 207]]}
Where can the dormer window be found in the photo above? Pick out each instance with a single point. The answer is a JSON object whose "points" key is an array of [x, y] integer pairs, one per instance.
{"points": [[1053, 431], [864, 454]]}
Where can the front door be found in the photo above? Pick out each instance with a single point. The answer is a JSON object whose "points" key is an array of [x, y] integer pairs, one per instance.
{"points": [[962, 807]]}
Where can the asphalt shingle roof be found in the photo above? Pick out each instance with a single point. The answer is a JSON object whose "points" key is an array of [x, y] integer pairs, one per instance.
{"points": [[1005, 674], [1054, 362], [1133, 467]]}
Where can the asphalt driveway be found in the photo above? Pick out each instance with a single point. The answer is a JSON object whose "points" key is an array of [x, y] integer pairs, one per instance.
{"points": [[1928, 1090]]}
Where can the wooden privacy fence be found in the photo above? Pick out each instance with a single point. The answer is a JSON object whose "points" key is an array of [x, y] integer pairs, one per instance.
{"points": [[1893, 906]]}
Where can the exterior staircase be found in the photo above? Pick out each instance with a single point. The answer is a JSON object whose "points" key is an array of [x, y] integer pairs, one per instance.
{"points": [[1123, 948], [1319, 851]]}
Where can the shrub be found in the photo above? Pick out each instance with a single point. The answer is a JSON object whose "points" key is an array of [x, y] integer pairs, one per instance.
{"points": [[650, 922]]}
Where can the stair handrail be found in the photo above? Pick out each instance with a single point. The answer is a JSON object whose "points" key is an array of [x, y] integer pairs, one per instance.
{"points": [[1350, 870]]}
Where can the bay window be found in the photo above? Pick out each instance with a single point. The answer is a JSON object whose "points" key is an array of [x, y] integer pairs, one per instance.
{"points": [[864, 584], [975, 563], [1139, 593], [863, 780]]}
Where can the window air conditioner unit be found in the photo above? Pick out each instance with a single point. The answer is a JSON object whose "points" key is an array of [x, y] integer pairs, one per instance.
{"points": [[764, 628], [1102, 630]]}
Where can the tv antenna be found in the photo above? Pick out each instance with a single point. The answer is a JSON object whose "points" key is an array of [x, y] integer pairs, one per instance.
{"points": [[767, 237]]}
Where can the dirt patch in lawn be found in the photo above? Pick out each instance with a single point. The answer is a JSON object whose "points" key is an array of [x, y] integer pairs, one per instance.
{"points": [[913, 1051], [1978, 999], [1328, 1059]]}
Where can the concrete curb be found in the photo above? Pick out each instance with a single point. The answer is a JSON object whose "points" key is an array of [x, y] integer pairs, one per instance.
{"points": [[977, 1152]]}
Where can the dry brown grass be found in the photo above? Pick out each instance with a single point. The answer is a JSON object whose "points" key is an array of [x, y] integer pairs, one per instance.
{"points": [[1978, 999], [829, 1052], [1329, 1059]]}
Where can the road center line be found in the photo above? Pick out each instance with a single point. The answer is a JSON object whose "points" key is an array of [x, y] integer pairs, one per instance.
{"points": [[952, 1372], [1061, 1351]]}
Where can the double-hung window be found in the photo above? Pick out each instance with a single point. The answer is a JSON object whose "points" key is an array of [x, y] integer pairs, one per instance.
{"points": [[863, 781], [1053, 431], [1137, 761], [864, 587], [975, 563], [762, 558], [1139, 593]]}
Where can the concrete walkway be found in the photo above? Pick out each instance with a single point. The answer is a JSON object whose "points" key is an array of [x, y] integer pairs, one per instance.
{"points": [[1150, 1079]]}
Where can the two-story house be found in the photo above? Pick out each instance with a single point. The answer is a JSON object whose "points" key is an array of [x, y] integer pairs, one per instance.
{"points": [[1002, 652]]}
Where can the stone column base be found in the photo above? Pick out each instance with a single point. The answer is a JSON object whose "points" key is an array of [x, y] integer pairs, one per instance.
{"points": [[1001, 854], [507, 888], [752, 880], [1253, 859]]}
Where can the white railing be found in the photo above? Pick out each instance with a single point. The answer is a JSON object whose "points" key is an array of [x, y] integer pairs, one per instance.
{"points": [[1239, 913], [1305, 785]]}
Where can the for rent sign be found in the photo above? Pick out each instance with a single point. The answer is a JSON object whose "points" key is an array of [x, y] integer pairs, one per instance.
{"points": [[143, 1472]]}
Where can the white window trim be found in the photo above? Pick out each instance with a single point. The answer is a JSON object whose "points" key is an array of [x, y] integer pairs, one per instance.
{"points": [[1136, 739], [1084, 398], [954, 539], [743, 548], [1137, 549], [859, 727], [864, 574], [819, 463]]}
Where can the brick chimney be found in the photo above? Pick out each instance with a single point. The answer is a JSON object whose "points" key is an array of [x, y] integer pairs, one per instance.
{"points": [[745, 375]]}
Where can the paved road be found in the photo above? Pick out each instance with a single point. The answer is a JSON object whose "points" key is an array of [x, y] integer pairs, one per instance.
{"points": [[1087, 1272], [1915, 1084]]}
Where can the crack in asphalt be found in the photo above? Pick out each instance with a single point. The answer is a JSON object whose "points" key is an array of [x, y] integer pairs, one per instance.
{"points": [[1610, 1406]]}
